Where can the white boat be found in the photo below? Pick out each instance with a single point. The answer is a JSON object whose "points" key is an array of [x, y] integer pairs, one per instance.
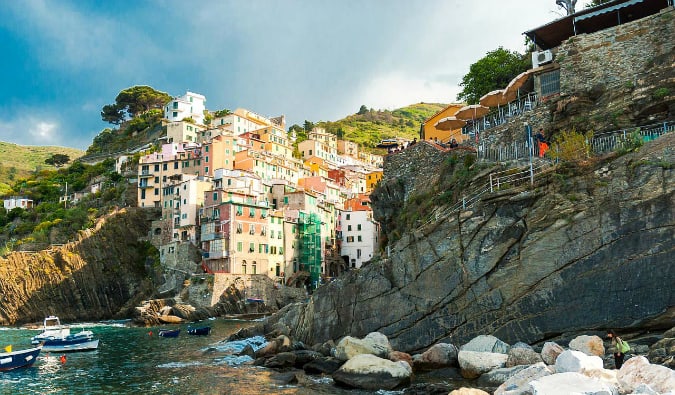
{"points": [[56, 337]]}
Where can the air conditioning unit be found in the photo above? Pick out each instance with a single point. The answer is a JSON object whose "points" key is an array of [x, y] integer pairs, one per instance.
{"points": [[541, 57]]}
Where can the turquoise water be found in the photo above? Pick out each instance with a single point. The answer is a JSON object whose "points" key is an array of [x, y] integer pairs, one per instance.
{"points": [[131, 361]]}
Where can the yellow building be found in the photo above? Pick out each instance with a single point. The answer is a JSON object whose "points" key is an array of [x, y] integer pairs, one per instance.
{"points": [[429, 131], [372, 179]]}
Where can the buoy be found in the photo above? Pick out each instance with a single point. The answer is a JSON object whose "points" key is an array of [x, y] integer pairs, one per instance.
{"points": [[150, 333], [63, 359]]}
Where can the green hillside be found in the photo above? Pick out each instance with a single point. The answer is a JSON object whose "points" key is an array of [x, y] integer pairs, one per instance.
{"points": [[19, 161], [371, 126]]}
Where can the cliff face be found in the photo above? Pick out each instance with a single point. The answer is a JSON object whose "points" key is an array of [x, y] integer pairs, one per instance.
{"points": [[583, 251], [101, 275]]}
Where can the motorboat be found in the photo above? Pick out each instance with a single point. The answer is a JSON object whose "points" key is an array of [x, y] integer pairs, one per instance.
{"points": [[11, 360], [58, 338], [169, 332], [199, 331]]}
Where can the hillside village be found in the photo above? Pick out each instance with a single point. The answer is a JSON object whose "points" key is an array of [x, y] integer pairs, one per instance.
{"points": [[235, 192]]}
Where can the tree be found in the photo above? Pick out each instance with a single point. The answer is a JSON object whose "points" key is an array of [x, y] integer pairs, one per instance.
{"points": [[363, 109], [308, 126], [112, 114], [494, 71], [133, 101], [568, 5], [57, 160]]}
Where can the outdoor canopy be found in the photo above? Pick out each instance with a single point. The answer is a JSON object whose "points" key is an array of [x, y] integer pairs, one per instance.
{"points": [[495, 98], [472, 111], [450, 123]]}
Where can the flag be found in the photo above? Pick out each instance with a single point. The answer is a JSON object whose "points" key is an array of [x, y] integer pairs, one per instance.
{"points": [[8, 348]]}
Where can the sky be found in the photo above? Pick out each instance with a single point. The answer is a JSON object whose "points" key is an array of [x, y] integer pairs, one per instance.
{"points": [[316, 60]]}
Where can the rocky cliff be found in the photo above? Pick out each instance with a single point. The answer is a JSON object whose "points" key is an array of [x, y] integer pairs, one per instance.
{"points": [[590, 248], [102, 275]]}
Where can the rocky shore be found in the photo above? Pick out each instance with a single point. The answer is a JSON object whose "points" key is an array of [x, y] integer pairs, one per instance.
{"points": [[484, 365]]}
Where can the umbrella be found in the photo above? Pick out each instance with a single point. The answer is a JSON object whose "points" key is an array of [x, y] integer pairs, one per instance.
{"points": [[449, 123], [494, 99], [472, 111], [515, 84]]}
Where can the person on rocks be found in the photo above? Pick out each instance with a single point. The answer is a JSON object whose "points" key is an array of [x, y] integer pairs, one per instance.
{"points": [[618, 347], [454, 144], [541, 141]]}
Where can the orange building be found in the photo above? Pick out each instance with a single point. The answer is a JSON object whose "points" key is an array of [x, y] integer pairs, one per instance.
{"points": [[429, 131]]}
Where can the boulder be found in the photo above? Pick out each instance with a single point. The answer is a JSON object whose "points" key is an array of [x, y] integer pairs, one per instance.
{"points": [[576, 361], [374, 343], [303, 357], [486, 343], [437, 356], [644, 389], [589, 345], [280, 360], [521, 345], [522, 356], [550, 352], [637, 370], [269, 348], [570, 383], [663, 352], [468, 391], [396, 356], [322, 365], [519, 383], [497, 377], [366, 371], [474, 363]]}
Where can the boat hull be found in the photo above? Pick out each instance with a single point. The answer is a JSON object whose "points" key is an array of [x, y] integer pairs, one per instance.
{"points": [[19, 359], [169, 333], [70, 345], [201, 331]]}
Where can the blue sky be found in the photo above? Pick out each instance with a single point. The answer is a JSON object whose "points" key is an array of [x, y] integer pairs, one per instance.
{"points": [[306, 59]]}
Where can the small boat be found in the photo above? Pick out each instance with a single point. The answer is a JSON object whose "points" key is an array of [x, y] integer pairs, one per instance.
{"points": [[56, 337], [199, 331], [169, 332], [19, 359]]}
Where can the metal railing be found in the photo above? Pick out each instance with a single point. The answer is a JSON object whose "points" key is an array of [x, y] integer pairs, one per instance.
{"points": [[600, 143]]}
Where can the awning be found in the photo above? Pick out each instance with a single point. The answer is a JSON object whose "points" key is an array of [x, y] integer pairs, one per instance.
{"points": [[591, 20]]}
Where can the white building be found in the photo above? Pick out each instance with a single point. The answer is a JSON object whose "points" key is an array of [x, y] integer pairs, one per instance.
{"points": [[359, 236], [17, 201], [191, 105]]}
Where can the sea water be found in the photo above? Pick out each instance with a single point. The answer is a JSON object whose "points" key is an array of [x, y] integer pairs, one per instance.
{"points": [[134, 360]]}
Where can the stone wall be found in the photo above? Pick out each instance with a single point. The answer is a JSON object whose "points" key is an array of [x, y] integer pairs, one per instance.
{"points": [[616, 56]]}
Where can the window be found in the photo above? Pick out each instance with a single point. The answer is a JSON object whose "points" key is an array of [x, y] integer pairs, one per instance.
{"points": [[358, 238], [251, 212], [175, 165], [243, 267], [254, 268], [281, 250], [358, 227], [215, 196], [251, 229], [348, 217], [240, 246], [263, 231], [272, 233], [349, 227], [251, 247], [165, 166], [239, 228], [350, 239], [240, 210], [550, 83], [358, 253]]}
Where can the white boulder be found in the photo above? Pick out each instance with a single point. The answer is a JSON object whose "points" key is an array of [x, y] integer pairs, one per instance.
{"points": [[519, 384], [374, 343], [570, 383], [576, 361], [369, 372], [637, 370], [473, 363]]}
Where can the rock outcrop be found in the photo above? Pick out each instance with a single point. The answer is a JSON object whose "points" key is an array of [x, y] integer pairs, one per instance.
{"points": [[583, 250], [102, 275]]}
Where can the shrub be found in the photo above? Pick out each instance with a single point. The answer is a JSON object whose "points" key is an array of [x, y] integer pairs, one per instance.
{"points": [[571, 146], [661, 93]]}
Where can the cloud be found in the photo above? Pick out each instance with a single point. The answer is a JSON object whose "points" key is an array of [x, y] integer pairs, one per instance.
{"points": [[31, 127]]}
